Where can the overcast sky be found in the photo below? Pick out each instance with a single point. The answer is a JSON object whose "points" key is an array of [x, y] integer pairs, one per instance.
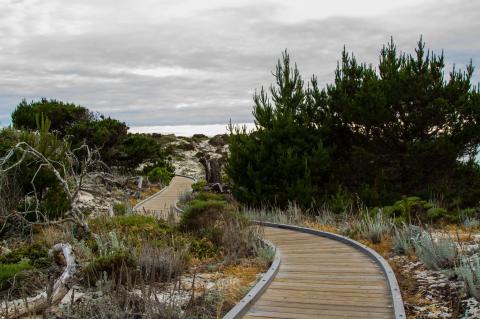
{"points": [[155, 62]]}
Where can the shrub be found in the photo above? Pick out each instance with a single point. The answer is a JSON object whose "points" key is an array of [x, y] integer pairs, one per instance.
{"points": [[471, 223], [10, 270], [374, 228], [120, 209], [436, 254], [409, 209], [219, 140], [161, 175], [199, 186], [403, 239], [202, 215], [205, 196], [116, 264], [161, 264], [35, 254], [469, 272]]}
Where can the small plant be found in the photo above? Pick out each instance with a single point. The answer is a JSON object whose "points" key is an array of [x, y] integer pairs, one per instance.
{"points": [[199, 186], [201, 215], [469, 272], [120, 209], [9, 271], [437, 254], [161, 175], [265, 254], [374, 228], [471, 223], [404, 237]]}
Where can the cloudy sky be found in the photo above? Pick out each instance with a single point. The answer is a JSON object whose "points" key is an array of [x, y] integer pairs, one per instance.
{"points": [[158, 62]]}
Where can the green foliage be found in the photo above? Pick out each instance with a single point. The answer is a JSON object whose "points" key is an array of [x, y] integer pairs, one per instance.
{"points": [[199, 186], [206, 196], [114, 264], [63, 115], [285, 158], [106, 134], [160, 175], [120, 209], [9, 271], [409, 209], [399, 128], [202, 215], [35, 254], [29, 177]]}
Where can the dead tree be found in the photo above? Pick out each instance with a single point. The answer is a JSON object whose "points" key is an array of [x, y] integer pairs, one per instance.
{"points": [[213, 172], [70, 175]]}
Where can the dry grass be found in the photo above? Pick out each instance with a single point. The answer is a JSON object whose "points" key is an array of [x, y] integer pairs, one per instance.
{"points": [[320, 226]]}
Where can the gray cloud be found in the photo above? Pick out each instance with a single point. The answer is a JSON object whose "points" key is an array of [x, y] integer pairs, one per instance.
{"points": [[167, 64]]}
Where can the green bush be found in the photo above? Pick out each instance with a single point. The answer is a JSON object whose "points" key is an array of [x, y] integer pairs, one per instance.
{"points": [[10, 270], [120, 209], [202, 215], [114, 264], [35, 254], [199, 186], [409, 210], [133, 226], [160, 175], [206, 196]]}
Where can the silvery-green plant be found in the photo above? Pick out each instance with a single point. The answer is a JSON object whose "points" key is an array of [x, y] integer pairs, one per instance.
{"points": [[375, 227], [471, 222], [469, 272], [265, 254], [404, 237], [436, 253]]}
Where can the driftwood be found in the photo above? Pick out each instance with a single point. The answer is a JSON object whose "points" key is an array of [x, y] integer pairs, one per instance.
{"points": [[19, 308]]}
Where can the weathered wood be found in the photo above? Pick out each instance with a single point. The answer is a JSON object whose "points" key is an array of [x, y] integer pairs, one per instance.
{"points": [[322, 278]]}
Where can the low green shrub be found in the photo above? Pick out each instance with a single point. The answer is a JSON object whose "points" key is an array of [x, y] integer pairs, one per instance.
{"points": [[199, 186], [206, 196], [115, 264], [131, 226], [120, 209], [160, 175], [409, 210], [202, 215], [10, 270], [35, 254]]}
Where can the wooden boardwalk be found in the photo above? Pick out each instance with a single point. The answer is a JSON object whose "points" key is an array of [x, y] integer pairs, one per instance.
{"points": [[322, 278], [318, 277], [162, 203]]}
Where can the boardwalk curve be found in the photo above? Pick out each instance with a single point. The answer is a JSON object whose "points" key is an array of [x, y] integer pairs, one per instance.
{"points": [[163, 203], [324, 275], [315, 274]]}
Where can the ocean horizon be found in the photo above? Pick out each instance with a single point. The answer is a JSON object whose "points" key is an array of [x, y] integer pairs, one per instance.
{"points": [[188, 130]]}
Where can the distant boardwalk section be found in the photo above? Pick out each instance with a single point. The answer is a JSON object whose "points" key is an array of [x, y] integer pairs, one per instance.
{"points": [[163, 202]]}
